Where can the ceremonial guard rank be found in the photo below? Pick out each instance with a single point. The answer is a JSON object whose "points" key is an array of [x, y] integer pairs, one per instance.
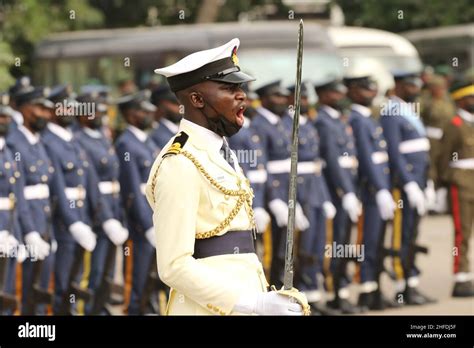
{"points": [[136, 152], [339, 153], [313, 195], [208, 260], [457, 167], [14, 215], [105, 163], [276, 143], [167, 116], [408, 150], [374, 187], [77, 201], [38, 174]]}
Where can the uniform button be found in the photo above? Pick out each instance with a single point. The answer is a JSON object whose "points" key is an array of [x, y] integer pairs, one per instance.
{"points": [[33, 169], [259, 152], [80, 172], [85, 164], [216, 309], [111, 151], [255, 138], [226, 197], [147, 163], [7, 165], [17, 174], [300, 180], [409, 167], [379, 130], [103, 160], [39, 162], [276, 183], [44, 178], [69, 165], [12, 180], [46, 209], [383, 143], [209, 306], [303, 141], [51, 169], [80, 203]]}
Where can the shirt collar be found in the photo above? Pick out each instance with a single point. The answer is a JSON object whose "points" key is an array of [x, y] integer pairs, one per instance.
{"points": [[93, 133], [2, 143], [270, 116], [170, 125], [206, 136], [31, 137], [361, 109], [331, 111], [61, 132], [141, 135], [466, 115], [246, 122]]}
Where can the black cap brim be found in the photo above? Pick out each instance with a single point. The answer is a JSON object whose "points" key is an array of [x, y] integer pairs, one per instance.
{"points": [[233, 77]]}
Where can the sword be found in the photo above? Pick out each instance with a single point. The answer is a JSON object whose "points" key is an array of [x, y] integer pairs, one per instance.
{"points": [[289, 272]]}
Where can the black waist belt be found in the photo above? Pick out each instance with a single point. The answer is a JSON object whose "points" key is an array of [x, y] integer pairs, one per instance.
{"points": [[233, 242]]}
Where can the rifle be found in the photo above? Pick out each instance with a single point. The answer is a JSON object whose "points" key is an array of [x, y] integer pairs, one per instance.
{"points": [[153, 284]]}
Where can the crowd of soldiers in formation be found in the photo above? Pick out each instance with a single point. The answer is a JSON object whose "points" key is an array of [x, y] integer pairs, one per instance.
{"points": [[76, 231]]}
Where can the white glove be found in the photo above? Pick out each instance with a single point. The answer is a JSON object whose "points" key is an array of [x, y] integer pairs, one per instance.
{"points": [[8, 244], [37, 246], [301, 222], [267, 303], [280, 211], [352, 206], [115, 231], [329, 210], [262, 218], [83, 235], [430, 195], [151, 237], [386, 204], [416, 198], [22, 253], [54, 246], [441, 205]]}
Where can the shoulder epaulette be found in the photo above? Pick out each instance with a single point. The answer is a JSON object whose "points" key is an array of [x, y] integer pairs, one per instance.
{"points": [[178, 143], [457, 121]]}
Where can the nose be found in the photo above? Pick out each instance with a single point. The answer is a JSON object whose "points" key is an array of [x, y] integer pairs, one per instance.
{"points": [[241, 95]]}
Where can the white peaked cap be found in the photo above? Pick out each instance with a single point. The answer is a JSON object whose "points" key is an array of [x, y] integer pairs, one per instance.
{"points": [[216, 64]]}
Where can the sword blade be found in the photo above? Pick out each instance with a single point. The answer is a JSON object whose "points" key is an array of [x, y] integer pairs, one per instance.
{"points": [[289, 272]]}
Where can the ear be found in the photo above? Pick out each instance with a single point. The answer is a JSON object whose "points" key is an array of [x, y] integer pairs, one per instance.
{"points": [[196, 100]]}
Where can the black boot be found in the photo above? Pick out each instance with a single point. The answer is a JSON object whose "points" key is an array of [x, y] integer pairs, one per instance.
{"points": [[380, 302], [463, 289], [318, 308], [366, 300], [411, 296], [344, 306]]}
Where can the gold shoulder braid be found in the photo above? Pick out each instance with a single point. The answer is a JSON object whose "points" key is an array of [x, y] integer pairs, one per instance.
{"points": [[243, 195]]}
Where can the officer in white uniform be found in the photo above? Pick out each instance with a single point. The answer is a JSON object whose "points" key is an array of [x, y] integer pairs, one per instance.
{"points": [[202, 202]]}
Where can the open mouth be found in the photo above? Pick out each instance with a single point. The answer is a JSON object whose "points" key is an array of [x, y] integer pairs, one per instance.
{"points": [[240, 116]]}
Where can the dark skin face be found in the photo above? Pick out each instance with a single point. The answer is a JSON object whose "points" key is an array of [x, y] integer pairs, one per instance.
{"points": [[86, 121], [135, 116], [405, 90], [32, 112], [303, 100], [464, 102], [360, 95], [4, 119], [163, 107], [272, 100], [213, 99], [329, 97]]}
